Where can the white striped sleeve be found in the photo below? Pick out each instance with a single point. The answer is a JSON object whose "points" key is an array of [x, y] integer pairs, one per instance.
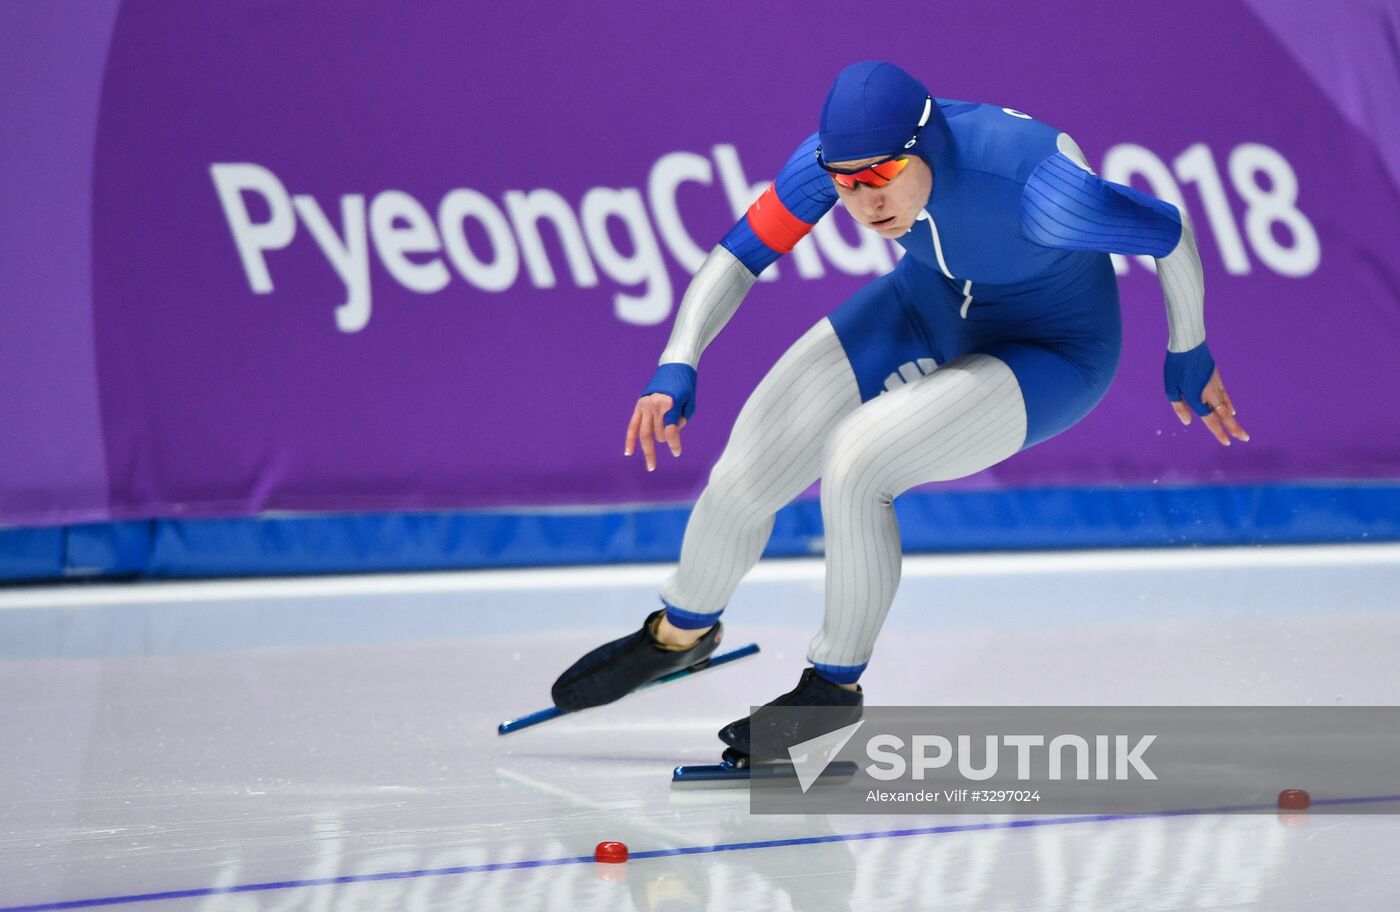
{"points": [[714, 294], [1183, 287]]}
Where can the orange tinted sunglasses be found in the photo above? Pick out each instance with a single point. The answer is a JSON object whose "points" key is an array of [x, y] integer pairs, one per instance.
{"points": [[877, 175]]}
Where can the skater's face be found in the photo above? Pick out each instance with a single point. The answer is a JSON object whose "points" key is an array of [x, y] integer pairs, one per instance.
{"points": [[890, 210]]}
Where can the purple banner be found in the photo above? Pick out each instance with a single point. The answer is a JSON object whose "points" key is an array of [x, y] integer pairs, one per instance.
{"points": [[351, 257]]}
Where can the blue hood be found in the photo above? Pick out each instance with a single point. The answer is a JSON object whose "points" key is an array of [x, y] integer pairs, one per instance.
{"points": [[874, 109]]}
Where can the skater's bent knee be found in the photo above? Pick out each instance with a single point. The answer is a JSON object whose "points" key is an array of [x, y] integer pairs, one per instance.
{"points": [[853, 455]]}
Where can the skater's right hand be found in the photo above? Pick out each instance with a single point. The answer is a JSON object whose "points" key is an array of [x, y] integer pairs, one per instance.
{"points": [[665, 406]]}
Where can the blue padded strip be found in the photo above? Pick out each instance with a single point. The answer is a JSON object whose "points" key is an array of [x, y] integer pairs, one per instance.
{"points": [[1108, 516]]}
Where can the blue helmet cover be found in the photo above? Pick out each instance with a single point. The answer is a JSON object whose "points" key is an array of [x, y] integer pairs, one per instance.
{"points": [[874, 109]]}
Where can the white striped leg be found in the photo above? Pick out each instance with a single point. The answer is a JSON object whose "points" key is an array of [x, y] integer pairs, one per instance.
{"points": [[964, 417], [774, 453]]}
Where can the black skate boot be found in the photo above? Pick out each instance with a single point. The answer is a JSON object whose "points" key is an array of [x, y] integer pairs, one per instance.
{"points": [[811, 690], [615, 669]]}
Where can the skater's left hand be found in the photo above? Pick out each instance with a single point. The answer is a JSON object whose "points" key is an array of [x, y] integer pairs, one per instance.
{"points": [[1193, 385], [1220, 421]]}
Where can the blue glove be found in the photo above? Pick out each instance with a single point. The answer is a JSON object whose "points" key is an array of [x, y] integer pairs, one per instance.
{"points": [[677, 381], [1186, 375]]}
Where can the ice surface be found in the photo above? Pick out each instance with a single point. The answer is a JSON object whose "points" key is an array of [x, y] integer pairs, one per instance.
{"points": [[273, 735]]}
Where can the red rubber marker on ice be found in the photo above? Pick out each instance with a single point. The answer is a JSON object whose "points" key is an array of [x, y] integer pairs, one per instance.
{"points": [[610, 852], [1294, 800]]}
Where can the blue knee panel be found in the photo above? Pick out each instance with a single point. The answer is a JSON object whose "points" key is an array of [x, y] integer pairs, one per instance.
{"points": [[1058, 392], [1064, 359]]}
